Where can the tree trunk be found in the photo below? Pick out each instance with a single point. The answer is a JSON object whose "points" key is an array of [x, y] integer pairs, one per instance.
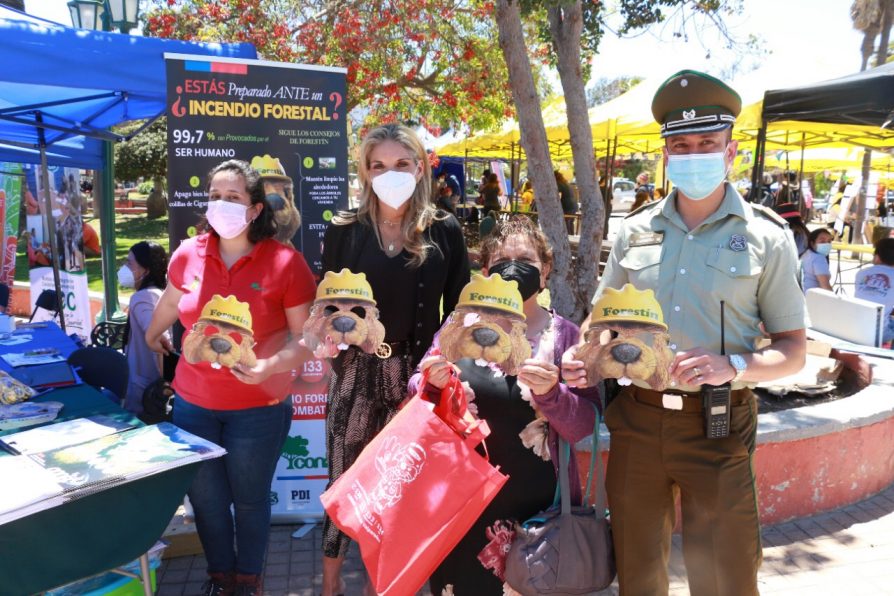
{"points": [[867, 47], [157, 201], [540, 165], [884, 32], [565, 23]]}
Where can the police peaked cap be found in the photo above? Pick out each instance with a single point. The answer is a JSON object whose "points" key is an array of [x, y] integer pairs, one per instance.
{"points": [[694, 102]]}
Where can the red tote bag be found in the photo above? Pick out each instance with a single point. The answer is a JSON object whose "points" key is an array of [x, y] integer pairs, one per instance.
{"points": [[410, 497]]}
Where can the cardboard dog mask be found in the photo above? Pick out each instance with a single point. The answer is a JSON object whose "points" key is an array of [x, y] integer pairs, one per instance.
{"points": [[279, 190], [627, 339], [344, 314], [222, 336], [488, 325]]}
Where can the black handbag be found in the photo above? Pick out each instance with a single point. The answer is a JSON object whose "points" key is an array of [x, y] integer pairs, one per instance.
{"points": [[158, 396], [565, 550]]}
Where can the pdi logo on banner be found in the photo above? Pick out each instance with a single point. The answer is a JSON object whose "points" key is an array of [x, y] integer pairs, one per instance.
{"points": [[300, 495]]}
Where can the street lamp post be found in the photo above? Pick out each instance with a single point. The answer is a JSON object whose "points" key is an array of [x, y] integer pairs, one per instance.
{"points": [[104, 15]]}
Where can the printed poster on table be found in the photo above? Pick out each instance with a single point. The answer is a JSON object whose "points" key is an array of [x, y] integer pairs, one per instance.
{"points": [[290, 123]]}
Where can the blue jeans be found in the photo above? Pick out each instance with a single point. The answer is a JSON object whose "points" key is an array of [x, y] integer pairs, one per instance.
{"points": [[253, 438]]}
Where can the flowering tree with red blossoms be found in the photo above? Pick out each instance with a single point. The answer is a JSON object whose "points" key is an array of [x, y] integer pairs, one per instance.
{"points": [[433, 61]]}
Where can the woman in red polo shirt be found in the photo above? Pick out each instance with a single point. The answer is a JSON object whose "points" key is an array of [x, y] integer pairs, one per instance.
{"points": [[244, 298], [414, 257]]}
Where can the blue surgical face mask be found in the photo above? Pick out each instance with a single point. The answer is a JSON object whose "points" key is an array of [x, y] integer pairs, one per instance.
{"points": [[697, 175], [824, 249]]}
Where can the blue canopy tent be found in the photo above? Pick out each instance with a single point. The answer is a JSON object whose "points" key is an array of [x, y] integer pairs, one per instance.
{"points": [[62, 89]]}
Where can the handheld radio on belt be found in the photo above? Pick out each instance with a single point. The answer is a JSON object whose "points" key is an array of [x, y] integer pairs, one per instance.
{"points": [[716, 398]]}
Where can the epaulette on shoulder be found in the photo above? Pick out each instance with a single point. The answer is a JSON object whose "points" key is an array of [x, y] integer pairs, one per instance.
{"points": [[769, 214], [644, 206]]}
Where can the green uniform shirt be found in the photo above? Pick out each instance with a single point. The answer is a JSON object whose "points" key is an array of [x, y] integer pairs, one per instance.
{"points": [[739, 254]]}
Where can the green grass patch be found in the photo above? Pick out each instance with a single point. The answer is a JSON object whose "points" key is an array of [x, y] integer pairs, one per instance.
{"points": [[129, 229]]}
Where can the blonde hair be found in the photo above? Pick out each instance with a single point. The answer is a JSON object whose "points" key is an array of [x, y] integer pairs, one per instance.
{"points": [[421, 212]]}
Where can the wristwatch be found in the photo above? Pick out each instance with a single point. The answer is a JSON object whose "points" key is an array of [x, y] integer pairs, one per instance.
{"points": [[739, 364]]}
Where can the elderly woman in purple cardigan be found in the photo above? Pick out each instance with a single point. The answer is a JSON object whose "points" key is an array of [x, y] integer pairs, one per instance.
{"points": [[527, 414]]}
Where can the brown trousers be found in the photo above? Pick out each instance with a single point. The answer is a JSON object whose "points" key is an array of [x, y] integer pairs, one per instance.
{"points": [[653, 449]]}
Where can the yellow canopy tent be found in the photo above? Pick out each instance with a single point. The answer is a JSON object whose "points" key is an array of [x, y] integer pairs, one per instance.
{"points": [[625, 125]]}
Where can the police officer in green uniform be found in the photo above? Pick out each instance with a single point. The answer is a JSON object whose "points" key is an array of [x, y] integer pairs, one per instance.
{"points": [[700, 246]]}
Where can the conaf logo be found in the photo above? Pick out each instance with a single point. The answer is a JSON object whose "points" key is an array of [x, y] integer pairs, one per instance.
{"points": [[296, 453]]}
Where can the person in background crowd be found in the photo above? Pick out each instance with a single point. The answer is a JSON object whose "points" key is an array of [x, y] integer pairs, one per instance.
{"points": [[516, 250], [473, 216], [605, 191], [490, 194], [527, 197], [566, 198], [487, 224], [145, 271], [639, 199], [815, 271], [876, 283], [789, 212], [91, 241], [788, 191], [784, 195], [764, 194], [643, 185], [712, 249], [237, 275], [414, 258], [453, 184], [485, 177], [445, 200]]}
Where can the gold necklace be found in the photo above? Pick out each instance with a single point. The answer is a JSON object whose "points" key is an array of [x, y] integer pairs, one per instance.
{"points": [[390, 248], [389, 222]]}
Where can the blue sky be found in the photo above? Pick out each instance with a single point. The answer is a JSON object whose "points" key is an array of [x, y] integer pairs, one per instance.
{"points": [[811, 39]]}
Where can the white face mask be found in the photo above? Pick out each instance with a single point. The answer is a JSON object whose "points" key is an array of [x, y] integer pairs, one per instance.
{"points": [[125, 277], [697, 175], [227, 218], [394, 188]]}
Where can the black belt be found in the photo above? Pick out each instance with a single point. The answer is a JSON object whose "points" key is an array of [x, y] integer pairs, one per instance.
{"points": [[393, 348], [691, 400]]}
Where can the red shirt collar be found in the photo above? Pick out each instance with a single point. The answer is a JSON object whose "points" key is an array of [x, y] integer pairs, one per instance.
{"points": [[208, 244]]}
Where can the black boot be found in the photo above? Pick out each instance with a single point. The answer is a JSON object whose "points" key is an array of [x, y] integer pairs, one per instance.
{"points": [[219, 584], [249, 585]]}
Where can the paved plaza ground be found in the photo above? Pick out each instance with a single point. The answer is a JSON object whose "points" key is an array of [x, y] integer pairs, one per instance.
{"points": [[849, 552]]}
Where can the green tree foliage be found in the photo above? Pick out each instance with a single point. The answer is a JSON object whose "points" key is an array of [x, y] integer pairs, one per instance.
{"points": [[604, 89], [145, 156], [432, 61], [823, 183]]}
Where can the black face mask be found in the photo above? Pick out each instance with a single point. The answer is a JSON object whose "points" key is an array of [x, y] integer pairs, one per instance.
{"points": [[526, 275]]}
